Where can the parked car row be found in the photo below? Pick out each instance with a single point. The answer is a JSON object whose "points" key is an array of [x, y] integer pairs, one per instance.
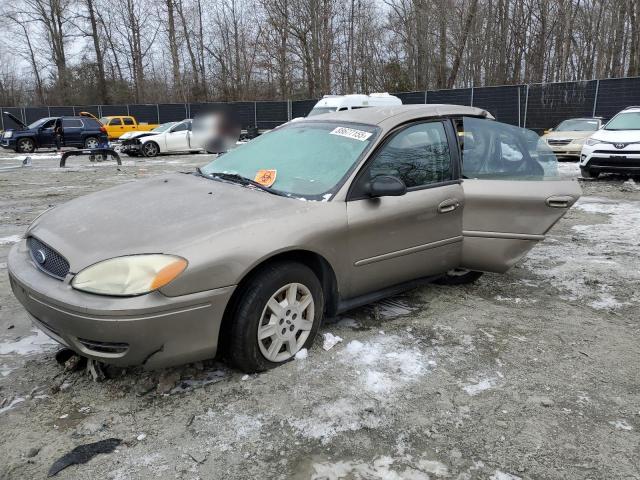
{"points": [[611, 147]]}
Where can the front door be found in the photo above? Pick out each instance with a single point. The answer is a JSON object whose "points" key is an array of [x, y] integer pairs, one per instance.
{"points": [[45, 136], [513, 194], [177, 139], [396, 239]]}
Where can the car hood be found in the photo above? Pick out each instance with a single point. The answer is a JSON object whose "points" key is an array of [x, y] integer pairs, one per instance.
{"points": [[130, 135], [617, 136], [19, 122], [173, 214], [567, 135]]}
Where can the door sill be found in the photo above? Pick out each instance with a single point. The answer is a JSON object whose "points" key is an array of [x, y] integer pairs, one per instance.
{"points": [[365, 299]]}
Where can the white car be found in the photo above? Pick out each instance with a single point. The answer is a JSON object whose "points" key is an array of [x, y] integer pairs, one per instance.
{"points": [[176, 139], [615, 148]]}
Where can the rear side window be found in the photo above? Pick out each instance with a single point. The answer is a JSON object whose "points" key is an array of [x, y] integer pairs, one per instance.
{"points": [[115, 121], [419, 155], [71, 123], [128, 121], [495, 150]]}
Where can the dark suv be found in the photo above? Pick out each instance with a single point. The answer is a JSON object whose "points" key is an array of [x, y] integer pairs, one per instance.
{"points": [[80, 132]]}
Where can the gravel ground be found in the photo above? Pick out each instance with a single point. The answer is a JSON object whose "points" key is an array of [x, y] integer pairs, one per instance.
{"points": [[532, 374]]}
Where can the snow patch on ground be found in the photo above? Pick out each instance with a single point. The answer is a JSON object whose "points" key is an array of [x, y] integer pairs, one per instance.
{"points": [[10, 240], [498, 475], [28, 345], [12, 404], [600, 256], [382, 468], [621, 425], [480, 385]]}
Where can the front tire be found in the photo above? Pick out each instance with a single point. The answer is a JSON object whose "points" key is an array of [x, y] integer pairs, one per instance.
{"points": [[459, 276], [26, 145], [586, 173], [278, 314], [150, 149]]}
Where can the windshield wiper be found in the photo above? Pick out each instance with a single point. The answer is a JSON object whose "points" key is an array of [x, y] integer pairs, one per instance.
{"points": [[239, 179]]}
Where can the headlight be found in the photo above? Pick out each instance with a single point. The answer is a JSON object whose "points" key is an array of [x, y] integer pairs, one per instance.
{"points": [[130, 275], [591, 142], [8, 134]]}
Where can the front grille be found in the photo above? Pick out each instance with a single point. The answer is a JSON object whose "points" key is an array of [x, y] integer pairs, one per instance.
{"points": [[104, 347], [619, 152], [559, 142], [47, 259]]}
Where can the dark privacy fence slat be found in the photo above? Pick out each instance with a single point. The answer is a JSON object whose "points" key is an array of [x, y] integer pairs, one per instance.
{"points": [[411, 97], [458, 96], [536, 106], [301, 108], [506, 104], [616, 94], [551, 103]]}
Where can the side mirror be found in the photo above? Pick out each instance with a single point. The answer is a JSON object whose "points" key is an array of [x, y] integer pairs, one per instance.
{"points": [[386, 186]]}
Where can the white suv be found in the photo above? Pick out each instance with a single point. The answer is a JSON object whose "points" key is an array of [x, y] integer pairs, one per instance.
{"points": [[615, 148]]}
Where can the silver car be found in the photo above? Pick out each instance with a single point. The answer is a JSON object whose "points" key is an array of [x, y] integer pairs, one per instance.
{"points": [[247, 255]]}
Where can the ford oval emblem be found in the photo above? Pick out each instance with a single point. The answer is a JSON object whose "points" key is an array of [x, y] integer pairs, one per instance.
{"points": [[40, 256], [620, 145]]}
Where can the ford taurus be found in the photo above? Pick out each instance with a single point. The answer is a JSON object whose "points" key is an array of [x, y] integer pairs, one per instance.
{"points": [[248, 254]]}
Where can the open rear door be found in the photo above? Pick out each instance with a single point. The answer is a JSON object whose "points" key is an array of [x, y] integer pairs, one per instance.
{"points": [[513, 194]]}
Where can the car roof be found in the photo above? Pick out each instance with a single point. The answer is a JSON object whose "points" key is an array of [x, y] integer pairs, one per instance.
{"points": [[388, 116]]}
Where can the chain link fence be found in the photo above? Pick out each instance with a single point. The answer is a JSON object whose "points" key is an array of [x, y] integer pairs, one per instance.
{"points": [[535, 106]]}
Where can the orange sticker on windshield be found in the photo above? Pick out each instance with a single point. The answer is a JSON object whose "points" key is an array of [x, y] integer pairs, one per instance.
{"points": [[266, 177]]}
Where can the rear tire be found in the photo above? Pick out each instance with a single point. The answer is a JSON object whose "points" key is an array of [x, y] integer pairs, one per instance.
{"points": [[586, 173], [284, 304], [459, 276], [91, 143], [26, 145]]}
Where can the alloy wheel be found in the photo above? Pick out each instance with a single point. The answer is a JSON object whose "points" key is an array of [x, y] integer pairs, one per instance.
{"points": [[286, 322], [26, 146], [150, 149], [91, 143]]}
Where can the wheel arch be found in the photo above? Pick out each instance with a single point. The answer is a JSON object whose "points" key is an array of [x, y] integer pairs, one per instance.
{"points": [[316, 262]]}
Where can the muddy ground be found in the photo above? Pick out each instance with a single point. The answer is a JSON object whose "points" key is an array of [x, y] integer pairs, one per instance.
{"points": [[533, 374]]}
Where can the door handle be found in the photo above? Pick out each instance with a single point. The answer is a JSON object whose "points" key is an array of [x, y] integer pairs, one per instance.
{"points": [[562, 201], [448, 205]]}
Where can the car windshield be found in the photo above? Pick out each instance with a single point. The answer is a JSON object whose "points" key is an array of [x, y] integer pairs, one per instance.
{"points": [[321, 110], [624, 121], [578, 125], [39, 123], [104, 120], [303, 159], [164, 127]]}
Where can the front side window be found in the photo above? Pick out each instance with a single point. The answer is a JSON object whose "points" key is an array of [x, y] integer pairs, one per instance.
{"points": [[495, 150], [624, 121], [306, 159], [41, 123], [181, 127], [115, 121], [418, 155]]}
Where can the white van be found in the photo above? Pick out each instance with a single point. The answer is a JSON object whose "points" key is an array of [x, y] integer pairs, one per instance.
{"points": [[337, 103]]}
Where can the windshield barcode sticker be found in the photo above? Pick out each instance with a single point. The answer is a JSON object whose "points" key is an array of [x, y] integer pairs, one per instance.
{"points": [[351, 133]]}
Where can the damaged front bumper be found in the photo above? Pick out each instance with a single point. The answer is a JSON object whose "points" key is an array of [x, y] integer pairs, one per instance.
{"points": [[152, 330]]}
